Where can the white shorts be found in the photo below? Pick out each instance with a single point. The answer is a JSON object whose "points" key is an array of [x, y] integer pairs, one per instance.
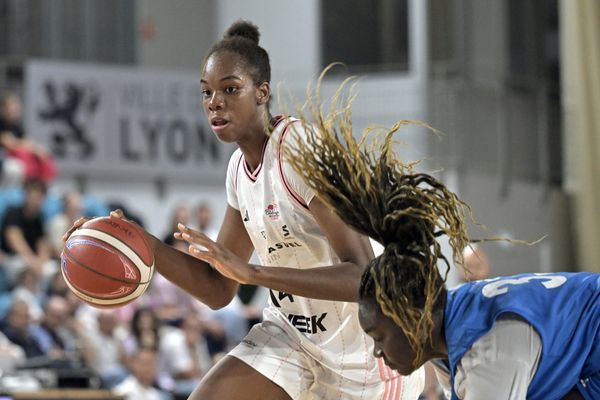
{"points": [[270, 350]]}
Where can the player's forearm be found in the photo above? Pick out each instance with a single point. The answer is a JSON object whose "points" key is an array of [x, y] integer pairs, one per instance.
{"points": [[193, 275], [338, 282]]}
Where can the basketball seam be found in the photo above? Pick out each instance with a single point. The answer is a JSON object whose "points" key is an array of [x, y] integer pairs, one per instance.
{"points": [[134, 257], [121, 240], [72, 257], [79, 292]]}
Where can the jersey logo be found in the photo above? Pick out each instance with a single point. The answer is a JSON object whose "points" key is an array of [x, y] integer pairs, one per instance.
{"points": [[272, 211], [286, 231], [281, 295], [308, 324], [282, 245]]}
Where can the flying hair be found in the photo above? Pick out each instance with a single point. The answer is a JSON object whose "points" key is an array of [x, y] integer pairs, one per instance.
{"points": [[372, 190]]}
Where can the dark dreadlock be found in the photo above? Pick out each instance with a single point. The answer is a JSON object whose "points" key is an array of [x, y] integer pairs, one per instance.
{"points": [[374, 192]]}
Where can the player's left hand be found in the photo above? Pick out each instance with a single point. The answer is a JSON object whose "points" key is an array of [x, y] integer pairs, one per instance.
{"points": [[218, 256]]}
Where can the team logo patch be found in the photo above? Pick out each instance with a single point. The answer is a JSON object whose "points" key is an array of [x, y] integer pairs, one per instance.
{"points": [[249, 343], [272, 211]]}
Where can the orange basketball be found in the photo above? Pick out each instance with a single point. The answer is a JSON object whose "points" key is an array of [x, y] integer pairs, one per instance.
{"points": [[107, 262]]}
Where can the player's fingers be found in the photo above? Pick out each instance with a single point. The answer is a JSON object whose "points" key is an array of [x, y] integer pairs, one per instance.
{"points": [[203, 255], [76, 225], [195, 237], [118, 213]]}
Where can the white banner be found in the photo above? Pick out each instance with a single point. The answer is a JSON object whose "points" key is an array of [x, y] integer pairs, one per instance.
{"points": [[122, 122]]}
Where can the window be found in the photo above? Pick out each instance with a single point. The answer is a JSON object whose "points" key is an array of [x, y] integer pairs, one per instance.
{"points": [[367, 36]]}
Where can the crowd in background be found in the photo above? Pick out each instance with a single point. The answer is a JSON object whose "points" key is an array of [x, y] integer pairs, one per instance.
{"points": [[157, 347]]}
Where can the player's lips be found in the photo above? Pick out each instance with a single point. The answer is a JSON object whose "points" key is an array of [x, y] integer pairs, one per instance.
{"points": [[218, 123]]}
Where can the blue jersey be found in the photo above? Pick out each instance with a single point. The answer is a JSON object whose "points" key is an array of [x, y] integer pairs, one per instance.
{"points": [[564, 308]]}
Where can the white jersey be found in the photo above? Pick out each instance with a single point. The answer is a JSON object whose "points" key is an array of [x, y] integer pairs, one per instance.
{"points": [[273, 201]]}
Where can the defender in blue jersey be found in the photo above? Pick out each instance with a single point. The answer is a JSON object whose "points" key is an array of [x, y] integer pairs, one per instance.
{"points": [[533, 336], [562, 308], [530, 336]]}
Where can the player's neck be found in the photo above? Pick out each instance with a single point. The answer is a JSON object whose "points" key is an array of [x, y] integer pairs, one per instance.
{"points": [[253, 146], [439, 348]]}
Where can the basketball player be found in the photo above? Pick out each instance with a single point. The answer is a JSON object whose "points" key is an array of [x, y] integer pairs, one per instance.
{"points": [[534, 336], [310, 345]]}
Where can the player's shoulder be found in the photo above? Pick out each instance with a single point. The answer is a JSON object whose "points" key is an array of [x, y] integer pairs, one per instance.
{"points": [[235, 157], [288, 131], [234, 163]]}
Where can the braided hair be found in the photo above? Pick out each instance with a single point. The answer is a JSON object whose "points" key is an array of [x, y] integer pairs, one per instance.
{"points": [[370, 189]]}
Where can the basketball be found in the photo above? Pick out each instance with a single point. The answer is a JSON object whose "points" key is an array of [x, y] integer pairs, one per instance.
{"points": [[107, 262]]}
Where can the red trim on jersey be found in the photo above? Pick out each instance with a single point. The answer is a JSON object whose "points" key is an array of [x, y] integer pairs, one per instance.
{"points": [[399, 382], [392, 382], [291, 193], [253, 175], [384, 378]]}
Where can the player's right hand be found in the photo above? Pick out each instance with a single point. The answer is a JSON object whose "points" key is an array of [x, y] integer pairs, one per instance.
{"points": [[76, 225]]}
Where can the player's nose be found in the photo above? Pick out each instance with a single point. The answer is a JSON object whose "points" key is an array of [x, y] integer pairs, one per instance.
{"points": [[216, 102]]}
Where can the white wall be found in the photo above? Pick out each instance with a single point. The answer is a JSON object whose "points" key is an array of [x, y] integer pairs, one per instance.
{"points": [[175, 34], [526, 212], [289, 32]]}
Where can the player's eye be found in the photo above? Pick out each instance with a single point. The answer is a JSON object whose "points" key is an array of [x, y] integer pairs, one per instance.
{"points": [[231, 89], [206, 93]]}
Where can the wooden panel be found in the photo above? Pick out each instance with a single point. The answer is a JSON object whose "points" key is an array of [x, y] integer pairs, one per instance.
{"points": [[61, 394]]}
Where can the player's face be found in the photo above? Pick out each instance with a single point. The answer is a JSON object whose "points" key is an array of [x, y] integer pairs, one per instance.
{"points": [[231, 98], [391, 343]]}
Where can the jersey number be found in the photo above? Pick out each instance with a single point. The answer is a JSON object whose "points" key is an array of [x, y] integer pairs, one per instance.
{"points": [[499, 287]]}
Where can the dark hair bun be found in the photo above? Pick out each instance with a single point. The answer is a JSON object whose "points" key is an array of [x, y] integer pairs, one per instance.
{"points": [[245, 29]]}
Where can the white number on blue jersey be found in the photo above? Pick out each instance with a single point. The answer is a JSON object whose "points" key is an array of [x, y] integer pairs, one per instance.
{"points": [[498, 287]]}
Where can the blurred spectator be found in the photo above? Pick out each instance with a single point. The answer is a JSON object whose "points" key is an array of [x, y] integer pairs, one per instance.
{"points": [[181, 214], [184, 356], [72, 210], [106, 356], [226, 327], [143, 332], [52, 333], [11, 355], [28, 289], [139, 385], [57, 286], [35, 158], [476, 264], [204, 220], [16, 326], [22, 235], [169, 302], [129, 214]]}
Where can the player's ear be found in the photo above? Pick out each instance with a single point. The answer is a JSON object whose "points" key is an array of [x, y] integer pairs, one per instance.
{"points": [[263, 93]]}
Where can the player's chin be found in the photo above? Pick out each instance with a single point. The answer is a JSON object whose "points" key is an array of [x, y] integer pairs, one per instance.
{"points": [[226, 135], [404, 370]]}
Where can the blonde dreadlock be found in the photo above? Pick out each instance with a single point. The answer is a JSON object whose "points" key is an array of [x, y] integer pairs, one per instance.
{"points": [[370, 189]]}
